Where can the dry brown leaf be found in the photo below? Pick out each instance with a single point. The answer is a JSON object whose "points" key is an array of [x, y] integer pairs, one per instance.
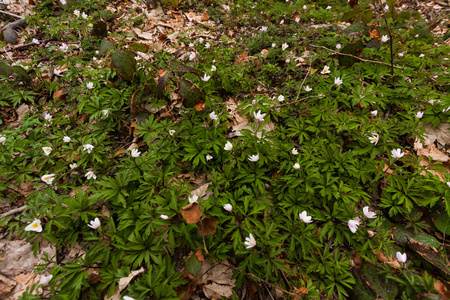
{"points": [[24, 281], [440, 133], [442, 289], [207, 226], [205, 16], [392, 262], [201, 190], [200, 106], [374, 34], [6, 286], [217, 279], [191, 213], [435, 154], [123, 283], [60, 95]]}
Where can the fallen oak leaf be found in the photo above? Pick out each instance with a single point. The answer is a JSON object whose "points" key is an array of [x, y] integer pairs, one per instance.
{"points": [[191, 213]]}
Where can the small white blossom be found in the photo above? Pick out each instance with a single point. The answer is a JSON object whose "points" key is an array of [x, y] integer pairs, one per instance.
{"points": [[401, 257], [422, 55], [263, 28], [308, 89], [353, 225], [35, 41], [448, 184], [200, 40], [228, 146], [384, 38], [328, 7], [2, 139], [90, 175], [304, 217], [207, 46], [259, 116], [206, 77], [88, 148], [135, 152], [57, 72], [191, 45], [105, 112], [297, 19], [296, 166], [326, 70], [34, 226], [67, 139], [284, 46], [84, 15], [397, 153], [64, 47], [45, 279], [338, 46], [369, 214], [89, 85], [280, 98], [48, 178], [208, 157], [337, 81], [213, 116], [48, 117], [294, 151], [305, 7], [193, 199], [374, 113], [253, 158], [273, 45], [228, 207], [47, 150], [419, 114], [213, 68], [282, 22], [164, 217], [63, 2], [250, 242], [76, 12], [374, 139], [192, 56], [94, 224], [73, 166], [401, 54], [171, 132]]}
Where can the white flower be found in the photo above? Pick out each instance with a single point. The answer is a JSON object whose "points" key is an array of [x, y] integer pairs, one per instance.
{"points": [[369, 214], [263, 28], [200, 40], [35, 41], [338, 46], [228, 146], [308, 89], [45, 279], [84, 15], [328, 7], [94, 224], [374, 113], [191, 45], [294, 151], [213, 116], [193, 199], [76, 12], [305, 7], [131, 298], [57, 72], [171, 132], [374, 139], [401, 54], [64, 47], [259, 116], [213, 68], [401, 257], [164, 217], [208, 157], [73, 166], [228, 207], [284, 46], [192, 56], [2, 139], [207, 46], [386, 7], [297, 19], [89, 85], [296, 166], [253, 158], [282, 22], [135, 152], [422, 55], [305, 218], [250, 242], [337, 81], [90, 175], [47, 150], [48, 117], [206, 77], [326, 70], [48, 178], [105, 112], [88, 148], [34, 226], [448, 184], [419, 114], [384, 38], [273, 45], [280, 98], [63, 2], [353, 225], [397, 153], [67, 139]]}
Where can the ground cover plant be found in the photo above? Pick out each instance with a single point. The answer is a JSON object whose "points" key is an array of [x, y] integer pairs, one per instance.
{"points": [[283, 149]]}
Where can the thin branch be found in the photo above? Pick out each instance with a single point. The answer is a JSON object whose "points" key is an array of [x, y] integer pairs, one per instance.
{"points": [[13, 211], [362, 59], [22, 46], [289, 103], [10, 14], [301, 85]]}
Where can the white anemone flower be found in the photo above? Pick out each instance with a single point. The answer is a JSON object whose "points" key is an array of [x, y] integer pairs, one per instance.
{"points": [[250, 242], [34, 226]]}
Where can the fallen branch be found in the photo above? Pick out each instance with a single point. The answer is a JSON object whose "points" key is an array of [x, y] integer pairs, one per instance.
{"points": [[362, 59], [10, 14], [21, 46], [13, 211]]}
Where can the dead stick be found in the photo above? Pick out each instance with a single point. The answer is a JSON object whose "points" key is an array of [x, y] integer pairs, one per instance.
{"points": [[362, 59], [13, 211], [21, 46], [301, 85], [10, 14]]}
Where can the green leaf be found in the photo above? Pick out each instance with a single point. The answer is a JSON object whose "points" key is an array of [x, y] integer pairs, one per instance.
{"points": [[382, 286], [354, 49], [139, 47], [5, 69], [104, 46], [367, 16], [441, 219], [9, 36], [124, 64], [194, 265]]}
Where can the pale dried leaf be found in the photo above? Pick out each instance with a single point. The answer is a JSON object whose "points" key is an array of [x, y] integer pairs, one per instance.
{"points": [[143, 35], [6, 285], [123, 283], [217, 279], [441, 134], [201, 190], [431, 151]]}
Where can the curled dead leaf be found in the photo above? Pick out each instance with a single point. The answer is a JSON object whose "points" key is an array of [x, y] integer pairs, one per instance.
{"points": [[191, 213], [442, 289]]}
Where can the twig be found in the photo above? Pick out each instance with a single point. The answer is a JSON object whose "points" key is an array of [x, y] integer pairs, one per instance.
{"points": [[301, 85], [362, 59], [289, 103], [13, 211], [10, 14], [21, 46]]}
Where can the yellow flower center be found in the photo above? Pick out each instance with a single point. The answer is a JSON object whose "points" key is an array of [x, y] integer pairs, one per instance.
{"points": [[35, 225]]}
